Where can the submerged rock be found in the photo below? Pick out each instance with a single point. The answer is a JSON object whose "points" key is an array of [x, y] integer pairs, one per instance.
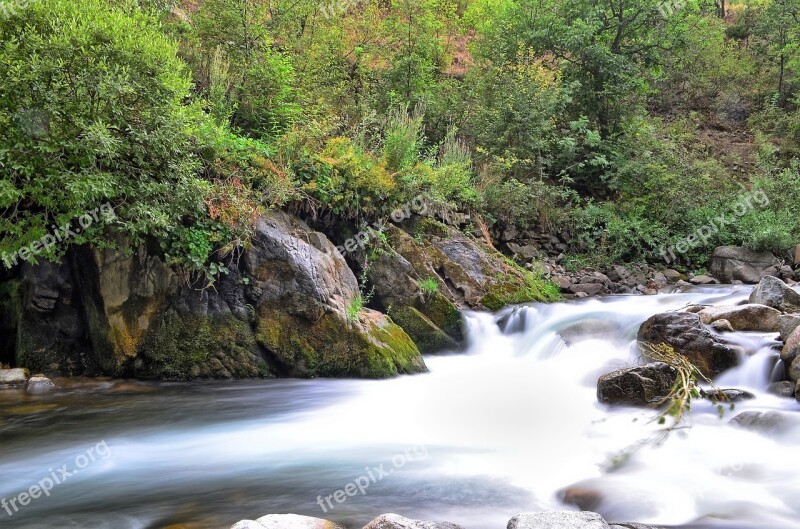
{"points": [[774, 293], [784, 388], [763, 422], [637, 386], [688, 336], [729, 395], [558, 520], [395, 521]]}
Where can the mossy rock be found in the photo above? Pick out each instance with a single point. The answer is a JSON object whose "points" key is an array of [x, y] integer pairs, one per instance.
{"points": [[428, 337], [372, 347], [189, 347]]}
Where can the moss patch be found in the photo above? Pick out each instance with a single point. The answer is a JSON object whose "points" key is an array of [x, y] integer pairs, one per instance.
{"points": [[513, 290], [189, 347], [332, 347]]}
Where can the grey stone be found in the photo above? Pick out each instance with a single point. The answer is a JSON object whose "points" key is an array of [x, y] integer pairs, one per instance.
{"points": [[673, 276], [395, 521], [558, 520], [750, 317], [787, 323], [722, 326], [730, 263], [784, 388], [774, 293], [286, 521], [764, 422], [703, 280]]}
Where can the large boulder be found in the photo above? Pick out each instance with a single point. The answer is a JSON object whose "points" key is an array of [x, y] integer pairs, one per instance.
{"points": [[774, 293], [558, 520], [685, 333], [637, 386], [308, 311], [395, 521], [731, 263], [286, 521], [748, 317]]}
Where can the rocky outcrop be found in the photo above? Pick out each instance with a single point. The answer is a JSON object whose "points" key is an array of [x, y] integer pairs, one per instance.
{"points": [[688, 336], [748, 317], [288, 306], [646, 385], [734, 263], [286, 521], [395, 521], [774, 293], [415, 302], [470, 274]]}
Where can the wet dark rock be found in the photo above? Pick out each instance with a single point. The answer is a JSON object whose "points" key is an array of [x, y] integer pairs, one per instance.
{"points": [[729, 395], [637, 386], [584, 498], [688, 336]]}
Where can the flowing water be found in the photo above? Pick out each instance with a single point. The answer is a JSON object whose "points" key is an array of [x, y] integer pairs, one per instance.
{"points": [[503, 428]]}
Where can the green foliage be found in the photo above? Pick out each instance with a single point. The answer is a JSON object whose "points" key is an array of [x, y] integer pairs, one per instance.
{"points": [[93, 108], [429, 286]]}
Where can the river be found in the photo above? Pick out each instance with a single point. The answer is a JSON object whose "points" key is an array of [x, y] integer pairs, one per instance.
{"points": [[499, 429]]}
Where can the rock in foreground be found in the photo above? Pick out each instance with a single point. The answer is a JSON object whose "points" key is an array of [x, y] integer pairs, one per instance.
{"points": [[637, 386], [558, 520], [750, 317], [286, 521], [395, 521]]}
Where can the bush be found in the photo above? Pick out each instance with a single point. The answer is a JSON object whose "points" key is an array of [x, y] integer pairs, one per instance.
{"points": [[93, 108]]}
